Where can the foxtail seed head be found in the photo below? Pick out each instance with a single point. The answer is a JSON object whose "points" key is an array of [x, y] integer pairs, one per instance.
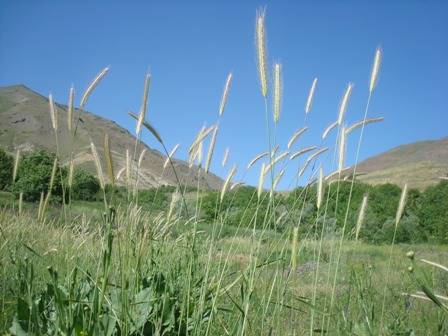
{"points": [[225, 93], [361, 215], [256, 158], [375, 69], [96, 160], [362, 123], [261, 51], [402, 204], [16, 166], [320, 188], [227, 182], [261, 180], [53, 113], [344, 103], [141, 157], [277, 92], [92, 86], [342, 147], [225, 157], [170, 156], [71, 171], [295, 136], [71, 97], [328, 129], [144, 106], [309, 101], [211, 149]]}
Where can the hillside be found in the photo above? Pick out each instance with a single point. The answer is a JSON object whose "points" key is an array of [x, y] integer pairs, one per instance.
{"points": [[419, 164], [25, 124]]}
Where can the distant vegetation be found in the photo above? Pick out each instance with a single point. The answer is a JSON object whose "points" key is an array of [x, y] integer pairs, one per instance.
{"points": [[424, 217]]}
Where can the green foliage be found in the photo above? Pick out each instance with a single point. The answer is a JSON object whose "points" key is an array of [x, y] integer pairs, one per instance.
{"points": [[6, 167], [425, 216], [433, 212], [154, 198], [34, 173], [85, 186]]}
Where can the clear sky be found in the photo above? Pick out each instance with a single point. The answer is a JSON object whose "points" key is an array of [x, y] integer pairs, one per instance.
{"points": [[190, 46]]}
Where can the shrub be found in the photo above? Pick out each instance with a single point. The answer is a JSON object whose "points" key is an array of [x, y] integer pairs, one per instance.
{"points": [[433, 212], [33, 176], [85, 186], [6, 166]]}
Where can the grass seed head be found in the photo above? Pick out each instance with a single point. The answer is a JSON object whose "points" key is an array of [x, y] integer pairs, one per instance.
{"points": [[16, 166], [344, 103], [225, 94], [71, 97], [328, 129], [141, 157], [401, 204], [211, 149], [227, 182], [96, 160], [362, 123], [361, 215], [144, 106], [296, 136], [170, 156], [53, 113], [375, 69], [92, 86], [261, 51], [309, 101], [71, 171], [225, 157], [277, 91], [261, 180], [320, 188], [257, 158]]}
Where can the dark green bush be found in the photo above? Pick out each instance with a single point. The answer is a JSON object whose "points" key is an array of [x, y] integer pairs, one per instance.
{"points": [[6, 166], [85, 186], [33, 176]]}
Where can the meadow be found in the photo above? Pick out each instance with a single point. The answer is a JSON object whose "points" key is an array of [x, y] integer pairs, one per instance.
{"points": [[118, 266]]}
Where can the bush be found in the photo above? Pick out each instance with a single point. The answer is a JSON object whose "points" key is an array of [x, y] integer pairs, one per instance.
{"points": [[433, 212], [33, 176], [85, 186], [6, 167]]}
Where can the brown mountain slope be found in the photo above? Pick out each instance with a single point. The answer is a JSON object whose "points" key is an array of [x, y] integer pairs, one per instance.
{"points": [[419, 164], [25, 124]]}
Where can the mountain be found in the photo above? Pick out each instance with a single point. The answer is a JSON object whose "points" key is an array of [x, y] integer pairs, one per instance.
{"points": [[25, 124], [418, 164]]}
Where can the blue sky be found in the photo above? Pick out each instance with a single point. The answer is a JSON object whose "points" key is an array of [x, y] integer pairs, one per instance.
{"points": [[190, 46]]}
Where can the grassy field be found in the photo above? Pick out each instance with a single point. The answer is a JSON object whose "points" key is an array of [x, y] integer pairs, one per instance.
{"points": [[206, 278]]}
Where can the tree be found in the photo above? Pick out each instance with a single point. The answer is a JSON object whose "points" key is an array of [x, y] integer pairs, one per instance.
{"points": [[34, 174], [85, 186], [433, 212], [6, 167]]}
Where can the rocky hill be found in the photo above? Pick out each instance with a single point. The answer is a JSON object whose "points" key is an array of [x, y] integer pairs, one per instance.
{"points": [[25, 123]]}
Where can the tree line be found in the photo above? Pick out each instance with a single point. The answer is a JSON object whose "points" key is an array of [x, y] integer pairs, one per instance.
{"points": [[425, 216]]}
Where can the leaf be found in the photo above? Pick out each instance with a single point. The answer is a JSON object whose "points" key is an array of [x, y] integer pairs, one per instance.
{"points": [[29, 248], [149, 127], [433, 298]]}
